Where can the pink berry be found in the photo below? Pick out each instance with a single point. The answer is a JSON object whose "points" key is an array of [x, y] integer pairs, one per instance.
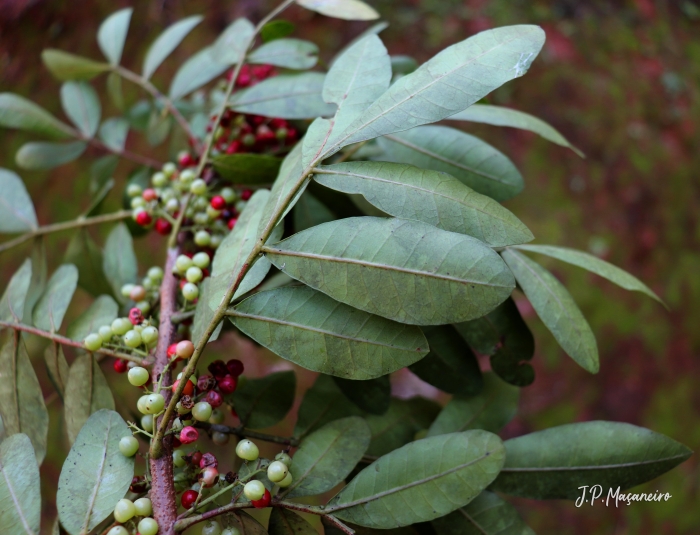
{"points": [[218, 203], [227, 384], [135, 316], [214, 398], [246, 194], [208, 460], [188, 435]]}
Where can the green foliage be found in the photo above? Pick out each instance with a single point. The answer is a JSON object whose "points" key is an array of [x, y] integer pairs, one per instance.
{"points": [[285, 522], [65, 66], [166, 43], [18, 112], [13, 300], [45, 155], [112, 35], [371, 395], [102, 311], [17, 212], [247, 168], [20, 491], [119, 261], [288, 53], [264, 402], [82, 106], [52, 305], [341, 9]]}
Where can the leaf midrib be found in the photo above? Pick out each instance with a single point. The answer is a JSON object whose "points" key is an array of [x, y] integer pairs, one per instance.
{"points": [[301, 478], [596, 467], [93, 498], [20, 512]]}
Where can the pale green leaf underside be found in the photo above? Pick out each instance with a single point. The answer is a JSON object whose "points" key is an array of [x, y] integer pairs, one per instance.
{"points": [[112, 34], [198, 70], [52, 305], [15, 295], [341, 9], [286, 182], [309, 212], [102, 311], [20, 492], [16, 208], [403, 270], [113, 132], [288, 53], [82, 105], [66, 66], [232, 45], [320, 334], [21, 113], [203, 314], [119, 260], [57, 367], [166, 42], [39, 155]]}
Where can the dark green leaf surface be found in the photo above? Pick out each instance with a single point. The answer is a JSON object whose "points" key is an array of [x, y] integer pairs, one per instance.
{"points": [[82, 105], [372, 395], [264, 402], [285, 522], [198, 70], [403, 270], [119, 260], [327, 456], [102, 311], [16, 208], [556, 308], [112, 34], [320, 334], [57, 367], [247, 168], [113, 132], [288, 53], [95, 475], [490, 410], [13, 300], [66, 66], [44, 155], [276, 29], [52, 305], [248, 525], [232, 45], [423, 480], [341, 9], [84, 253], [433, 197], [18, 112], [322, 403], [309, 212], [166, 42], [556, 462], [472, 161], [20, 489]]}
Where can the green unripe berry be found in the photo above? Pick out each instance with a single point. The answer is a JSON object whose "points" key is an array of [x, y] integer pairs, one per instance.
{"points": [[198, 187], [190, 291], [202, 238], [179, 458], [194, 274], [105, 333], [132, 190], [211, 528], [187, 176], [231, 531], [143, 306], [149, 335], [151, 404], [155, 273], [215, 241], [137, 202], [286, 481], [200, 218], [201, 411], [200, 203], [240, 206], [118, 530], [220, 439], [201, 260], [121, 326], [147, 423], [126, 290], [228, 194], [247, 450], [148, 526], [217, 416], [183, 263], [159, 179], [128, 446], [277, 471], [124, 511], [169, 168], [93, 342], [180, 409], [144, 507], [213, 213], [133, 338], [172, 206], [284, 458], [254, 490], [138, 376]]}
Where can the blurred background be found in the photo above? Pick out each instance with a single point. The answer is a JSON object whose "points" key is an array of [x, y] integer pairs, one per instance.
{"points": [[619, 78]]}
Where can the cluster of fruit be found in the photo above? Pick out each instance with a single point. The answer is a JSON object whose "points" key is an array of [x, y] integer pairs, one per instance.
{"points": [[132, 333], [126, 510], [238, 133], [191, 269]]}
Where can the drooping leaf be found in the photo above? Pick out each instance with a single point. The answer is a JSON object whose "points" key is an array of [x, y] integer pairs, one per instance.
{"points": [[503, 335], [57, 367], [309, 212], [595, 265], [87, 392], [500, 116], [403, 270], [487, 514], [433, 197], [410, 484], [20, 488], [82, 105], [327, 456], [276, 29], [451, 81], [66, 66], [22, 407], [288, 96], [84, 253], [112, 34], [264, 402], [294, 54], [95, 206], [102, 311], [113, 132], [341, 9], [371, 395], [556, 462], [52, 305], [13, 299], [166, 42], [467, 158], [556, 308], [320, 334], [18, 112], [198, 70], [285, 522], [95, 475], [203, 314], [322, 403], [450, 366], [119, 260], [232, 45], [250, 169], [44, 155], [16, 208], [37, 283], [490, 410]]}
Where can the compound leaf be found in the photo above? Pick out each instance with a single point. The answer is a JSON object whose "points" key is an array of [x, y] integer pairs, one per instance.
{"points": [[16, 208], [52, 305], [102, 311], [66, 66], [198, 70], [21, 113], [371, 395], [322, 403], [119, 260], [247, 168], [113, 132], [13, 300], [82, 105], [288, 53], [341, 9], [232, 45], [166, 42], [285, 522], [20, 488]]}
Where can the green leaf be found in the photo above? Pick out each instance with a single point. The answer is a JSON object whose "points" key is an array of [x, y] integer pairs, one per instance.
{"points": [[487, 514], [22, 407], [341, 9], [57, 367], [287, 96], [309, 212], [102, 311], [595, 265], [467, 158], [166, 42], [371, 395], [248, 525], [250, 169], [52, 305], [13, 300], [450, 366], [113, 132], [503, 335], [101, 171], [198, 70], [41, 155], [37, 283], [410, 484], [403, 270], [119, 261], [18, 112], [286, 182], [87, 257], [66, 66], [203, 314], [232, 45], [499, 116], [276, 29], [555, 463], [315, 140], [285, 522], [320, 334], [402, 65], [112, 34], [97, 201], [87, 392], [82, 105], [490, 410], [264, 402], [95, 475], [327, 456], [287, 53], [430, 196], [451, 81], [115, 91], [16, 208], [556, 308], [20, 487], [322, 403]]}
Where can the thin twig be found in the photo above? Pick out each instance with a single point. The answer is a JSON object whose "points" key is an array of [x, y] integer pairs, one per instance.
{"points": [[242, 432], [123, 153]]}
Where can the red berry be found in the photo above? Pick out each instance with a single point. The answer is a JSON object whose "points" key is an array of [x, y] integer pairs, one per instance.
{"points": [[227, 384], [188, 435], [262, 502], [234, 147], [196, 458], [187, 391], [218, 203], [232, 223], [120, 366], [186, 160], [209, 476], [214, 398], [217, 368], [144, 219], [246, 194], [188, 498], [176, 442], [172, 350], [149, 194], [135, 316], [208, 460], [205, 383], [234, 367], [163, 226], [278, 123]]}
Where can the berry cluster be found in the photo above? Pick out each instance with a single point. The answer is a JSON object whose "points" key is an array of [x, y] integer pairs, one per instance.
{"points": [[133, 333], [126, 510], [239, 133], [191, 269]]}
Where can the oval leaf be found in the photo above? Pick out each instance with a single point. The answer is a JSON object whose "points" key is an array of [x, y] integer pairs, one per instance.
{"points": [[288, 53], [371, 395], [320, 334], [113, 132], [247, 168], [198, 70], [52, 305], [285, 522], [102, 311], [65, 66], [18, 112], [82, 106], [84, 253], [119, 261], [16, 208], [556, 462], [166, 42], [403, 270], [322, 403], [341, 9], [13, 300], [95, 475], [409, 485], [264, 402], [20, 492], [40, 155], [112, 34], [57, 367], [232, 45]]}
